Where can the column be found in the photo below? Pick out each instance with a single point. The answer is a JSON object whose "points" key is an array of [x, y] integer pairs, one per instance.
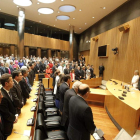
{"points": [[71, 42], [49, 53], [39, 52], [12, 50], [58, 54], [26, 51], [20, 29]]}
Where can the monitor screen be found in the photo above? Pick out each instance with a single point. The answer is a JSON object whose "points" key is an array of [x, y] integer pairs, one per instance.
{"points": [[102, 50]]}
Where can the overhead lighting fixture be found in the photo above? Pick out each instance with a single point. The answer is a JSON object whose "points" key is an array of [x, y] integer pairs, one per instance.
{"points": [[80, 10], [67, 8], [9, 24], [93, 17], [38, 3], [73, 18], [85, 23], [62, 0], [54, 25], [17, 6], [23, 2], [45, 10], [47, 1], [39, 21], [80, 28], [63, 17]]}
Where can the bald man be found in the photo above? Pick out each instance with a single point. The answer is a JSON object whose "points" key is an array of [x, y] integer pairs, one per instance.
{"points": [[81, 123]]}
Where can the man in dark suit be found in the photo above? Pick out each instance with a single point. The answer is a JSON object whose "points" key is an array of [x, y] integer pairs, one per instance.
{"points": [[69, 93], [91, 71], [16, 91], [77, 73], [83, 73], [31, 74], [81, 123], [7, 109], [11, 66], [37, 67], [24, 86], [101, 70], [67, 70], [62, 90]]}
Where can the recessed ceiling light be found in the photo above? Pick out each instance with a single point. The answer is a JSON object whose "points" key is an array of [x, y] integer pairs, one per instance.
{"points": [[45, 10], [93, 17], [62, 0], [9, 24], [85, 23], [23, 2], [54, 25], [47, 1], [0, 9], [39, 21], [73, 18], [80, 10], [17, 6], [67, 8], [58, 12], [63, 17], [38, 3], [80, 28]]}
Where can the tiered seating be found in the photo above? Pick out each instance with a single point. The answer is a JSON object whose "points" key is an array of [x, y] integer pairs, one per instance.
{"points": [[48, 118]]}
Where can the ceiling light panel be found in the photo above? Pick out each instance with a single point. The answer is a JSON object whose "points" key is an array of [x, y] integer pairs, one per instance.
{"points": [[47, 1], [45, 10], [63, 17], [67, 8], [23, 2]]}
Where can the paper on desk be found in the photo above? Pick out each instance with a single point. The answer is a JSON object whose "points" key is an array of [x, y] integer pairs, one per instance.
{"points": [[26, 133]]}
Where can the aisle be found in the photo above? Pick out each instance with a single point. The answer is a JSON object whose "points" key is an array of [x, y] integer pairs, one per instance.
{"points": [[103, 121]]}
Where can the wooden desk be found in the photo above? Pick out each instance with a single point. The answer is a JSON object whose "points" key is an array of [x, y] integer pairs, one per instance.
{"points": [[93, 82], [26, 114], [125, 113], [97, 95]]}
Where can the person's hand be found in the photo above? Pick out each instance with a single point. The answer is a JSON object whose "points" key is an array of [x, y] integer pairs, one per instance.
{"points": [[16, 120]]}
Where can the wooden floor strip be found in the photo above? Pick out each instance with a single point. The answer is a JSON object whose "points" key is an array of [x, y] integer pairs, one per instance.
{"points": [[103, 122]]}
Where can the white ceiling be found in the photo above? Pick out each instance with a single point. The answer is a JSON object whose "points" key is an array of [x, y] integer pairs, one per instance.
{"points": [[90, 8]]}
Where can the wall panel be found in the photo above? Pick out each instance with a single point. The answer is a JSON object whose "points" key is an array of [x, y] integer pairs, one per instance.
{"points": [[11, 37], [122, 65]]}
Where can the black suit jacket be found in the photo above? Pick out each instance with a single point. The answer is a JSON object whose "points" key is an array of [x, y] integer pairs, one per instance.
{"points": [[31, 77], [83, 74], [6, 70], [16, 93], [77, 74], [25, 88], [62, 89], [81, 123], [66, 71], [65, 115], [8, 112]]}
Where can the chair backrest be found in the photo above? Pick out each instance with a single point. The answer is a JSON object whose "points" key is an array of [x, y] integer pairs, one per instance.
{"points": [[38, 135], [40, 124]]}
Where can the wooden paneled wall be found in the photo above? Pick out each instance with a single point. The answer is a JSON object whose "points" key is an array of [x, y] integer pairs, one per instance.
{"points": [[123, 65], [86, 55], [10, 37]]}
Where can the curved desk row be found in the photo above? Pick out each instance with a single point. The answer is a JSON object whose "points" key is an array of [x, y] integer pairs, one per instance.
{"points": [[124, 113], [21, 127]]}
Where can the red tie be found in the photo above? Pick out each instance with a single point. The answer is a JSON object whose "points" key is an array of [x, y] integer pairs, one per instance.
{"points": [[9, 71]]}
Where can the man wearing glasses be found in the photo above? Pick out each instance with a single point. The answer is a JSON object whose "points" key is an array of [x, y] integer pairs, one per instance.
{"points": [[16, 91]]}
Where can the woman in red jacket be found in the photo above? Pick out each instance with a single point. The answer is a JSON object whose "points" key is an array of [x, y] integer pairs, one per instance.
{"points": [[72, 75], [48, 72]]}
